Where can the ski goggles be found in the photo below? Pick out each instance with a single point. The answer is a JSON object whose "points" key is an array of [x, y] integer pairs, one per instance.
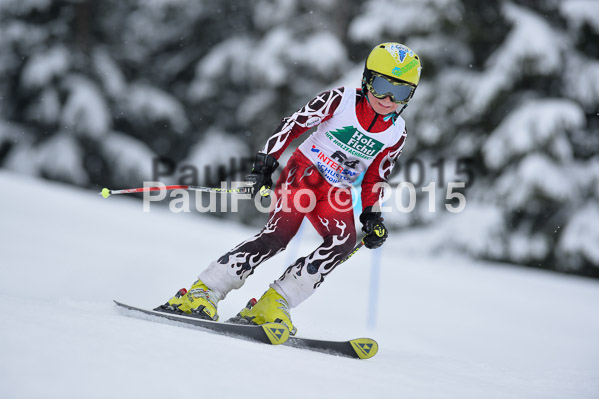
{"points": [[381, 87]]}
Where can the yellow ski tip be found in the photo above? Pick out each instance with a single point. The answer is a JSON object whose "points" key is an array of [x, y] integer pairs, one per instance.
{"points": [[365, 347], [277, 333], [105, 193]]}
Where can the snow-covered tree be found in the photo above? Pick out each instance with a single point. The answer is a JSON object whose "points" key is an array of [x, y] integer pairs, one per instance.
{"points": [[515, 87], [67, 95]]}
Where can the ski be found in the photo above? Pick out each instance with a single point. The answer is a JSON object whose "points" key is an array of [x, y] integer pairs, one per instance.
{"points": [[270, 333], [360, 348]]}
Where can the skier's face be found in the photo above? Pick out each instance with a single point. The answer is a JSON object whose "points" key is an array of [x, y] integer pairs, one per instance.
{"points": [[382, 106]]}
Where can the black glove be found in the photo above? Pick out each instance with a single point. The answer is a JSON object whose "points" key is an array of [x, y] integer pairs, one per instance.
{"points": [[372, 225], [260, 178]]}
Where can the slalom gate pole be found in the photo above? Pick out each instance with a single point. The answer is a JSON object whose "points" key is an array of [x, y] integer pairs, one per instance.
{"points": [[241, 190], [373, 297], [374, 282]]}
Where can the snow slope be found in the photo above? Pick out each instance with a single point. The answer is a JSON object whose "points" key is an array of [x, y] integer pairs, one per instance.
{"points": [[447, 327]]}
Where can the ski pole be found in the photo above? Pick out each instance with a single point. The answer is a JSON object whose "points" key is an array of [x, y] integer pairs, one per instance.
{"points": [[241, 190]]}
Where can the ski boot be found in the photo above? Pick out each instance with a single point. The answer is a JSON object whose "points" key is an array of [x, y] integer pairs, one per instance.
{"points": [[199, 302], [271, 308]]}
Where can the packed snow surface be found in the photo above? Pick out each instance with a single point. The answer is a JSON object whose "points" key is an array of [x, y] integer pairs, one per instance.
{"points": [[447, 326]]}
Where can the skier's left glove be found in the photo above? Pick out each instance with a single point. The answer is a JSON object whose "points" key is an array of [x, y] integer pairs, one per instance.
{"points": [[260, 179], [372, 225]]}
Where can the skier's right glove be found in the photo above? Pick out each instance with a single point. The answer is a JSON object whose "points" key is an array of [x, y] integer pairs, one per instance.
{"points": [[260, 179], [372, 225]]}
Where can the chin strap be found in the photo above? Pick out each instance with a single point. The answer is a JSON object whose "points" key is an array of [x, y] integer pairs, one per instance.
{"points": [[393, 116]]}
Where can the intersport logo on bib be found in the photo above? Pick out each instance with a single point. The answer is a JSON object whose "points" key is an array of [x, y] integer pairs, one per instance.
{"points": [[357, 140]]}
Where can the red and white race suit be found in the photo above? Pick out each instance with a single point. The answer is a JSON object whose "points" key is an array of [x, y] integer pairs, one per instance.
{"points": [[351, 139]]}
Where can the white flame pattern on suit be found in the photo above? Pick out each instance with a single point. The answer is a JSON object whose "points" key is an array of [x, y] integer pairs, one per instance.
{"points": [[319, 107], [290, 176], [388, 162], [325, 223], [327, 266], [324, 259], [306, 174], [241, 261], [341, 225], [252, 263]]}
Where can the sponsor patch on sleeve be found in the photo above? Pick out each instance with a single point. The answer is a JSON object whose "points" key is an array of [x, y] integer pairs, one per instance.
{"points": [[313, 121]]}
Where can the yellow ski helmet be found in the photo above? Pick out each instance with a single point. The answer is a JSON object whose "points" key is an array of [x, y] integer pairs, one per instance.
{"points": [[394, 61]]}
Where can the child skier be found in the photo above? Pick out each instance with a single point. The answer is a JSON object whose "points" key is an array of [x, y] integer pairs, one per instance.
{"points": [[359, 131]]}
